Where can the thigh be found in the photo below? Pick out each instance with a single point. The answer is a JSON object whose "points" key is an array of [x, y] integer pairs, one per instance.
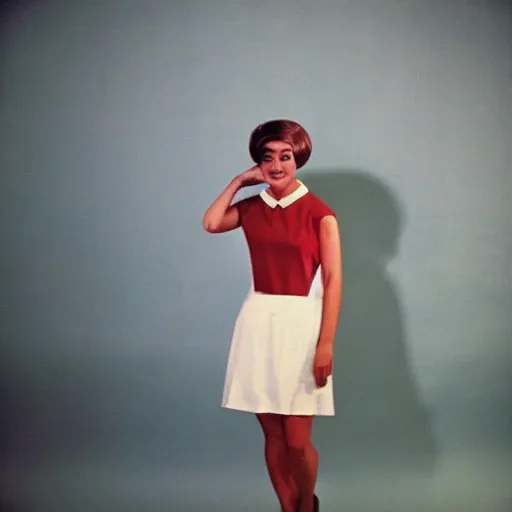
{"points": [[297, 431], [272, 425]]}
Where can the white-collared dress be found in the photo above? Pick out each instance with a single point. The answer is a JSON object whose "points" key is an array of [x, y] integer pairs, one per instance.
{"points": [[270, 363]]}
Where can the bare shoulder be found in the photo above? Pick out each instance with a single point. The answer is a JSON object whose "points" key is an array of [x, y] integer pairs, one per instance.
{"points": [[330, 242], [329, 228]]}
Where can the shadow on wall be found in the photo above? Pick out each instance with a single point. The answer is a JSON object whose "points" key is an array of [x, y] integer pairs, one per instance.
{"points": [[380, 422]]}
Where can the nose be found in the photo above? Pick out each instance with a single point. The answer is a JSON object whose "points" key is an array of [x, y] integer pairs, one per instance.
{"points": [[275, 165]]}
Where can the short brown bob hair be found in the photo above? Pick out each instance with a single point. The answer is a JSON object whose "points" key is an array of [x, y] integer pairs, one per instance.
{"points": [[282, 130]]}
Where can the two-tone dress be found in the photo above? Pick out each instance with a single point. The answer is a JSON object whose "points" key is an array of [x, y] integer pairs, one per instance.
{"points": [[270, 363]]}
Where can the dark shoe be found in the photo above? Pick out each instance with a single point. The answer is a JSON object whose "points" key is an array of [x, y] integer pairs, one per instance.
{"points": [[316, 504]]}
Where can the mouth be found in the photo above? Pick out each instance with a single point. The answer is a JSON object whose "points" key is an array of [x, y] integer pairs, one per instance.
{"points": [[278, 175]]}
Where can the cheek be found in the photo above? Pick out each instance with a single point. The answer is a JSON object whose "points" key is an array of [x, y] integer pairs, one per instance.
{"points": [[265, 168], [291, 167]]}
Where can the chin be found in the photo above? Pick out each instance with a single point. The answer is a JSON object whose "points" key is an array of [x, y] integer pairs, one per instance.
{"points": [[280, 184]]}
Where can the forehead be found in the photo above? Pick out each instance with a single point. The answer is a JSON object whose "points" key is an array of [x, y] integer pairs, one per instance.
{"points": [[277, 146]]}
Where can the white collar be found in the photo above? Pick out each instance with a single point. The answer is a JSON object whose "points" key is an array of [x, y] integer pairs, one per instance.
{"points": [[287, 200]]}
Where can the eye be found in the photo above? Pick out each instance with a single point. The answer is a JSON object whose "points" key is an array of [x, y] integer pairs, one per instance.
{"points": [[286, 157]]}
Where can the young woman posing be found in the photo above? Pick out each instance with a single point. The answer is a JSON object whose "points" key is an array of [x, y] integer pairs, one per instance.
{"points": [[280, 360]]}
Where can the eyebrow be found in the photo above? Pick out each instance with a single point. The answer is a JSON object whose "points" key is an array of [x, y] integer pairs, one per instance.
{"points": [[269, 150]]}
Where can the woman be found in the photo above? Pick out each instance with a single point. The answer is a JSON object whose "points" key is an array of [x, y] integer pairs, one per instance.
{"points": [[280, 361]]}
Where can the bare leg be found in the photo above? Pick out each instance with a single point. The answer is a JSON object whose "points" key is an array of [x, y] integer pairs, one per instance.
{"points": [[277, 460], [303, 458]]}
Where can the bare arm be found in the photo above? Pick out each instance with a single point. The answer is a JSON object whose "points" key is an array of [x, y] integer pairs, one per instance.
{"points": [[330, 260], [331, 263], [221, 216]]}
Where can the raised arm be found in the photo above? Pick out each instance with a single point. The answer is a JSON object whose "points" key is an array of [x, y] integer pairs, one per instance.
{"points": [[222, 216]]}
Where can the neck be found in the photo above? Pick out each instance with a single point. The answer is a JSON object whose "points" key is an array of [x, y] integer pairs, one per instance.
{"points": [[280, 193]]}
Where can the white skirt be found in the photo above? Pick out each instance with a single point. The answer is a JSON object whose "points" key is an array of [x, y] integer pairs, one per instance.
{"points": [[270, 363]]}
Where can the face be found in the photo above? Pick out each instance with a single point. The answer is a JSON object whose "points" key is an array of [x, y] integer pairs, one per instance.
{"points": [[278, 165]]}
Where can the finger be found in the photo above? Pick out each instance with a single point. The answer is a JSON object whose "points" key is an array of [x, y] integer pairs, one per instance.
{"points": [[321, 376], [318, 375]]}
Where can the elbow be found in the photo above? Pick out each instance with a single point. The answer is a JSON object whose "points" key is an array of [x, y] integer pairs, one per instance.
{"points": [[332, 280], [208, 226]]}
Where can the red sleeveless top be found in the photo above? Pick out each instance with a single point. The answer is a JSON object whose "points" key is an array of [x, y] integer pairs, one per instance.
{"points": [[283, 240]]}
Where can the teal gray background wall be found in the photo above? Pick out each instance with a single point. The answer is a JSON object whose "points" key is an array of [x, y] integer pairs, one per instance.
{"points": [[121, 121]]}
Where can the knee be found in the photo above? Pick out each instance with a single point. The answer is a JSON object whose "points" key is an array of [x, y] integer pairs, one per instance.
{"points": [[272, 428], [297, 444], [298, 433], [274, 436]]}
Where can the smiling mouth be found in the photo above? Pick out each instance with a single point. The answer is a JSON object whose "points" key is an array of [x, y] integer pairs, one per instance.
{"points": [[277, 175]]}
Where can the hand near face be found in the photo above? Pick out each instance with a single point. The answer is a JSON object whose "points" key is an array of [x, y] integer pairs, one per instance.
{"points": [[252, 176], [322, 365]]}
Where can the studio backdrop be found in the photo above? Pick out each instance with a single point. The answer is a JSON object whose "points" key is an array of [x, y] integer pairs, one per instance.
{"points": [[120, 122]]}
